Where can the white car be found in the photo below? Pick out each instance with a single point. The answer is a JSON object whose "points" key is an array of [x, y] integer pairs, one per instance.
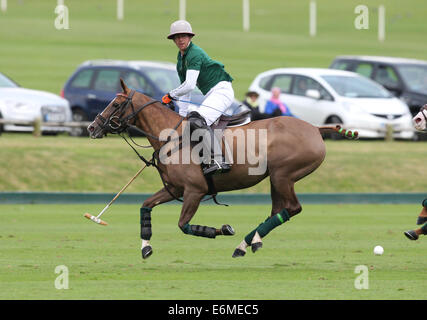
{"points": [[326, 96], [20, 104]]}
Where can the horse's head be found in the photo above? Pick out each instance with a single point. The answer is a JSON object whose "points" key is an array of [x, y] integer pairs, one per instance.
{"points": [[113, 118], [420, 120]]}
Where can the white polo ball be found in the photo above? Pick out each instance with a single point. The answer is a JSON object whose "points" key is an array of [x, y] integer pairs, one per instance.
{"points": [[378, 250]]}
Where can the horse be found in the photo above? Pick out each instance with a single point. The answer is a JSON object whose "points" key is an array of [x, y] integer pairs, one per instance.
{"points": [[289, 150], [420, 120], [420, 123]]}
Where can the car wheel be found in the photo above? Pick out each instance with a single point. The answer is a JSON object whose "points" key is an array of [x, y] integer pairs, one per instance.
{"points": [[79, 116], [334, 135]]}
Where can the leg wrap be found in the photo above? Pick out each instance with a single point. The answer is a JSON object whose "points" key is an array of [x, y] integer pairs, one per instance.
{"points": [[269, 224], [199, 231], [424, 229], [424, 203], [146, 223]]}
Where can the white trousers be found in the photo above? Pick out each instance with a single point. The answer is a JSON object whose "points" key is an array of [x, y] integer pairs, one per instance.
{"points": [[217, 101]]}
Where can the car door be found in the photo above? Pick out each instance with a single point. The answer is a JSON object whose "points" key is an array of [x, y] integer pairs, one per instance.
{"points": [[314, 111], [78, 88], [105, 86]]}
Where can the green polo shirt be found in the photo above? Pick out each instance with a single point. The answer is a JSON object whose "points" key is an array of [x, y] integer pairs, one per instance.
{"points": [[211, 71]]}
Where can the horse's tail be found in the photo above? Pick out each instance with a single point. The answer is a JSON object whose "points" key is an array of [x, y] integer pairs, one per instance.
{"points": [[345, 133]]}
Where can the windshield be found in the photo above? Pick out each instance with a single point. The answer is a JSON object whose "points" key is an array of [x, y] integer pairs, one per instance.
{"points": [[356, 87], [6, 82], [415, 77], [164, 79]]}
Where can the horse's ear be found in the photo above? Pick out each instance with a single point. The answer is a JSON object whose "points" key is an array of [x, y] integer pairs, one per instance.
{"points": [[124, 86]]}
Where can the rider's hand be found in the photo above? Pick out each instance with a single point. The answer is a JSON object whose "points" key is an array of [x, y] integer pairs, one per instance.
{"points": [[166, 99]]}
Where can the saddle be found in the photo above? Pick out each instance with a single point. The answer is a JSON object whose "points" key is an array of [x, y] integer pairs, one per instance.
{"points": [[235, 120]]}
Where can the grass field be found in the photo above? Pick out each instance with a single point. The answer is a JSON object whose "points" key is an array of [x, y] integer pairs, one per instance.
{"points": [[312, 256], [65, 163], [39, 56]]}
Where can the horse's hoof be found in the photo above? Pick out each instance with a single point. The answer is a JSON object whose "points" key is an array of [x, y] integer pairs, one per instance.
{"points": [[238, 253], [411, 235], [227, 230], [255, 246], [421, 220], [146, 252]]}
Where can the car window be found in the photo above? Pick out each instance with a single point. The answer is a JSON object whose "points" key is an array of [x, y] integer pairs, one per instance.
{"points": [[364, 69], [415, 77], [107, 80], [263, 82], [164, 79], [387, 77], [137, 82], [302, 84], [6, 83], [82, 79], [341, 65], [282, 81], [356, 87]]}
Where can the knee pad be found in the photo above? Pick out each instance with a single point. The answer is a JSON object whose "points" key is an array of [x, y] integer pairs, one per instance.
{"points": [[196, 121]]}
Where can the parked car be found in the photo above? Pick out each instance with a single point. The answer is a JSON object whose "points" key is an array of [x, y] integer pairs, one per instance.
{"points": [[325, 96], [95, 83], [405, 78], [21, 104]]}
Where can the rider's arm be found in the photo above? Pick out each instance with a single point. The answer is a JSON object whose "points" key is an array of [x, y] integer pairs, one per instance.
{"points": [[187, 86]]}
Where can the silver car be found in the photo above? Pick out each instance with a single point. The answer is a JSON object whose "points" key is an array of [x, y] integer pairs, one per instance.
{"points": [[23, 105]]}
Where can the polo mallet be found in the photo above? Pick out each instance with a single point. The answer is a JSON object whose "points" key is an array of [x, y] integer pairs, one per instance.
{"points": [[97, 218]]}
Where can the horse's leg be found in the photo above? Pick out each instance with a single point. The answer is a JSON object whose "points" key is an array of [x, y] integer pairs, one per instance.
{"points": [[422, 217], [159, 197], [285, 204], [189, 208]]}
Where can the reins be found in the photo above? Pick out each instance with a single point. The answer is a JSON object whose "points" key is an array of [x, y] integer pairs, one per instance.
{"points": [[123, 125]]}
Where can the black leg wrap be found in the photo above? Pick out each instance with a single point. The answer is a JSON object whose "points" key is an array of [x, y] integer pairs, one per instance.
{"points": [[146, 223], [424, 229], [203, 231]]}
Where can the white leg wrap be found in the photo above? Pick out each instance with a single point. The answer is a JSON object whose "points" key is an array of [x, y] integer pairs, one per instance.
{"points": [[242, 246], [256, 238], [145, 243]]}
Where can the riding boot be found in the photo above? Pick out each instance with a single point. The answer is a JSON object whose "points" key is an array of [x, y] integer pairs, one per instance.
{"points": [[217, 163]]}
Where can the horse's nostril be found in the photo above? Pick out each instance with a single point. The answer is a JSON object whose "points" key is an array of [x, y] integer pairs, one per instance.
{"points": [[91, 128]]}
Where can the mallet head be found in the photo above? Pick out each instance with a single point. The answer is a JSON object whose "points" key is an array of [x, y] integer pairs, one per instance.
{"points": [[95, 219]]}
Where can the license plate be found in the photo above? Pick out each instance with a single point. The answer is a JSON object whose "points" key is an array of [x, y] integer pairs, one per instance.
{"points": [[55, 117]]}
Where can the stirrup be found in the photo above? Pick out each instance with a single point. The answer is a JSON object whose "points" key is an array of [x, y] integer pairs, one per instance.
{"points": [[215, 167]]}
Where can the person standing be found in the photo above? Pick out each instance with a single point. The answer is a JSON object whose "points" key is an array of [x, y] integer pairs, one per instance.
{"points": [[196, 68]]}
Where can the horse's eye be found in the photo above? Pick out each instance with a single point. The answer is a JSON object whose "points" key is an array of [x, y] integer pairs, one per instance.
{"points": [[115, 104]]}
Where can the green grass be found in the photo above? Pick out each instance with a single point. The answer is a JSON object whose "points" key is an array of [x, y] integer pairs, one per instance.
{"points": [[37, 55], [65, 163], [312, 256]]}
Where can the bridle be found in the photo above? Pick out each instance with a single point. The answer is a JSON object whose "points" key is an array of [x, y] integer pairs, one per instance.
{"points": [[424, 112], [116, 123]]}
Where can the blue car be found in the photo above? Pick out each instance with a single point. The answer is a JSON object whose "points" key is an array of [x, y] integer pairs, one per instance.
{"points": [[95, 83]]}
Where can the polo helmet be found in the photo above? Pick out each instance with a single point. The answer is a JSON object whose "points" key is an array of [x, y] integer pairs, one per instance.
{"points": [[180, 26]]}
